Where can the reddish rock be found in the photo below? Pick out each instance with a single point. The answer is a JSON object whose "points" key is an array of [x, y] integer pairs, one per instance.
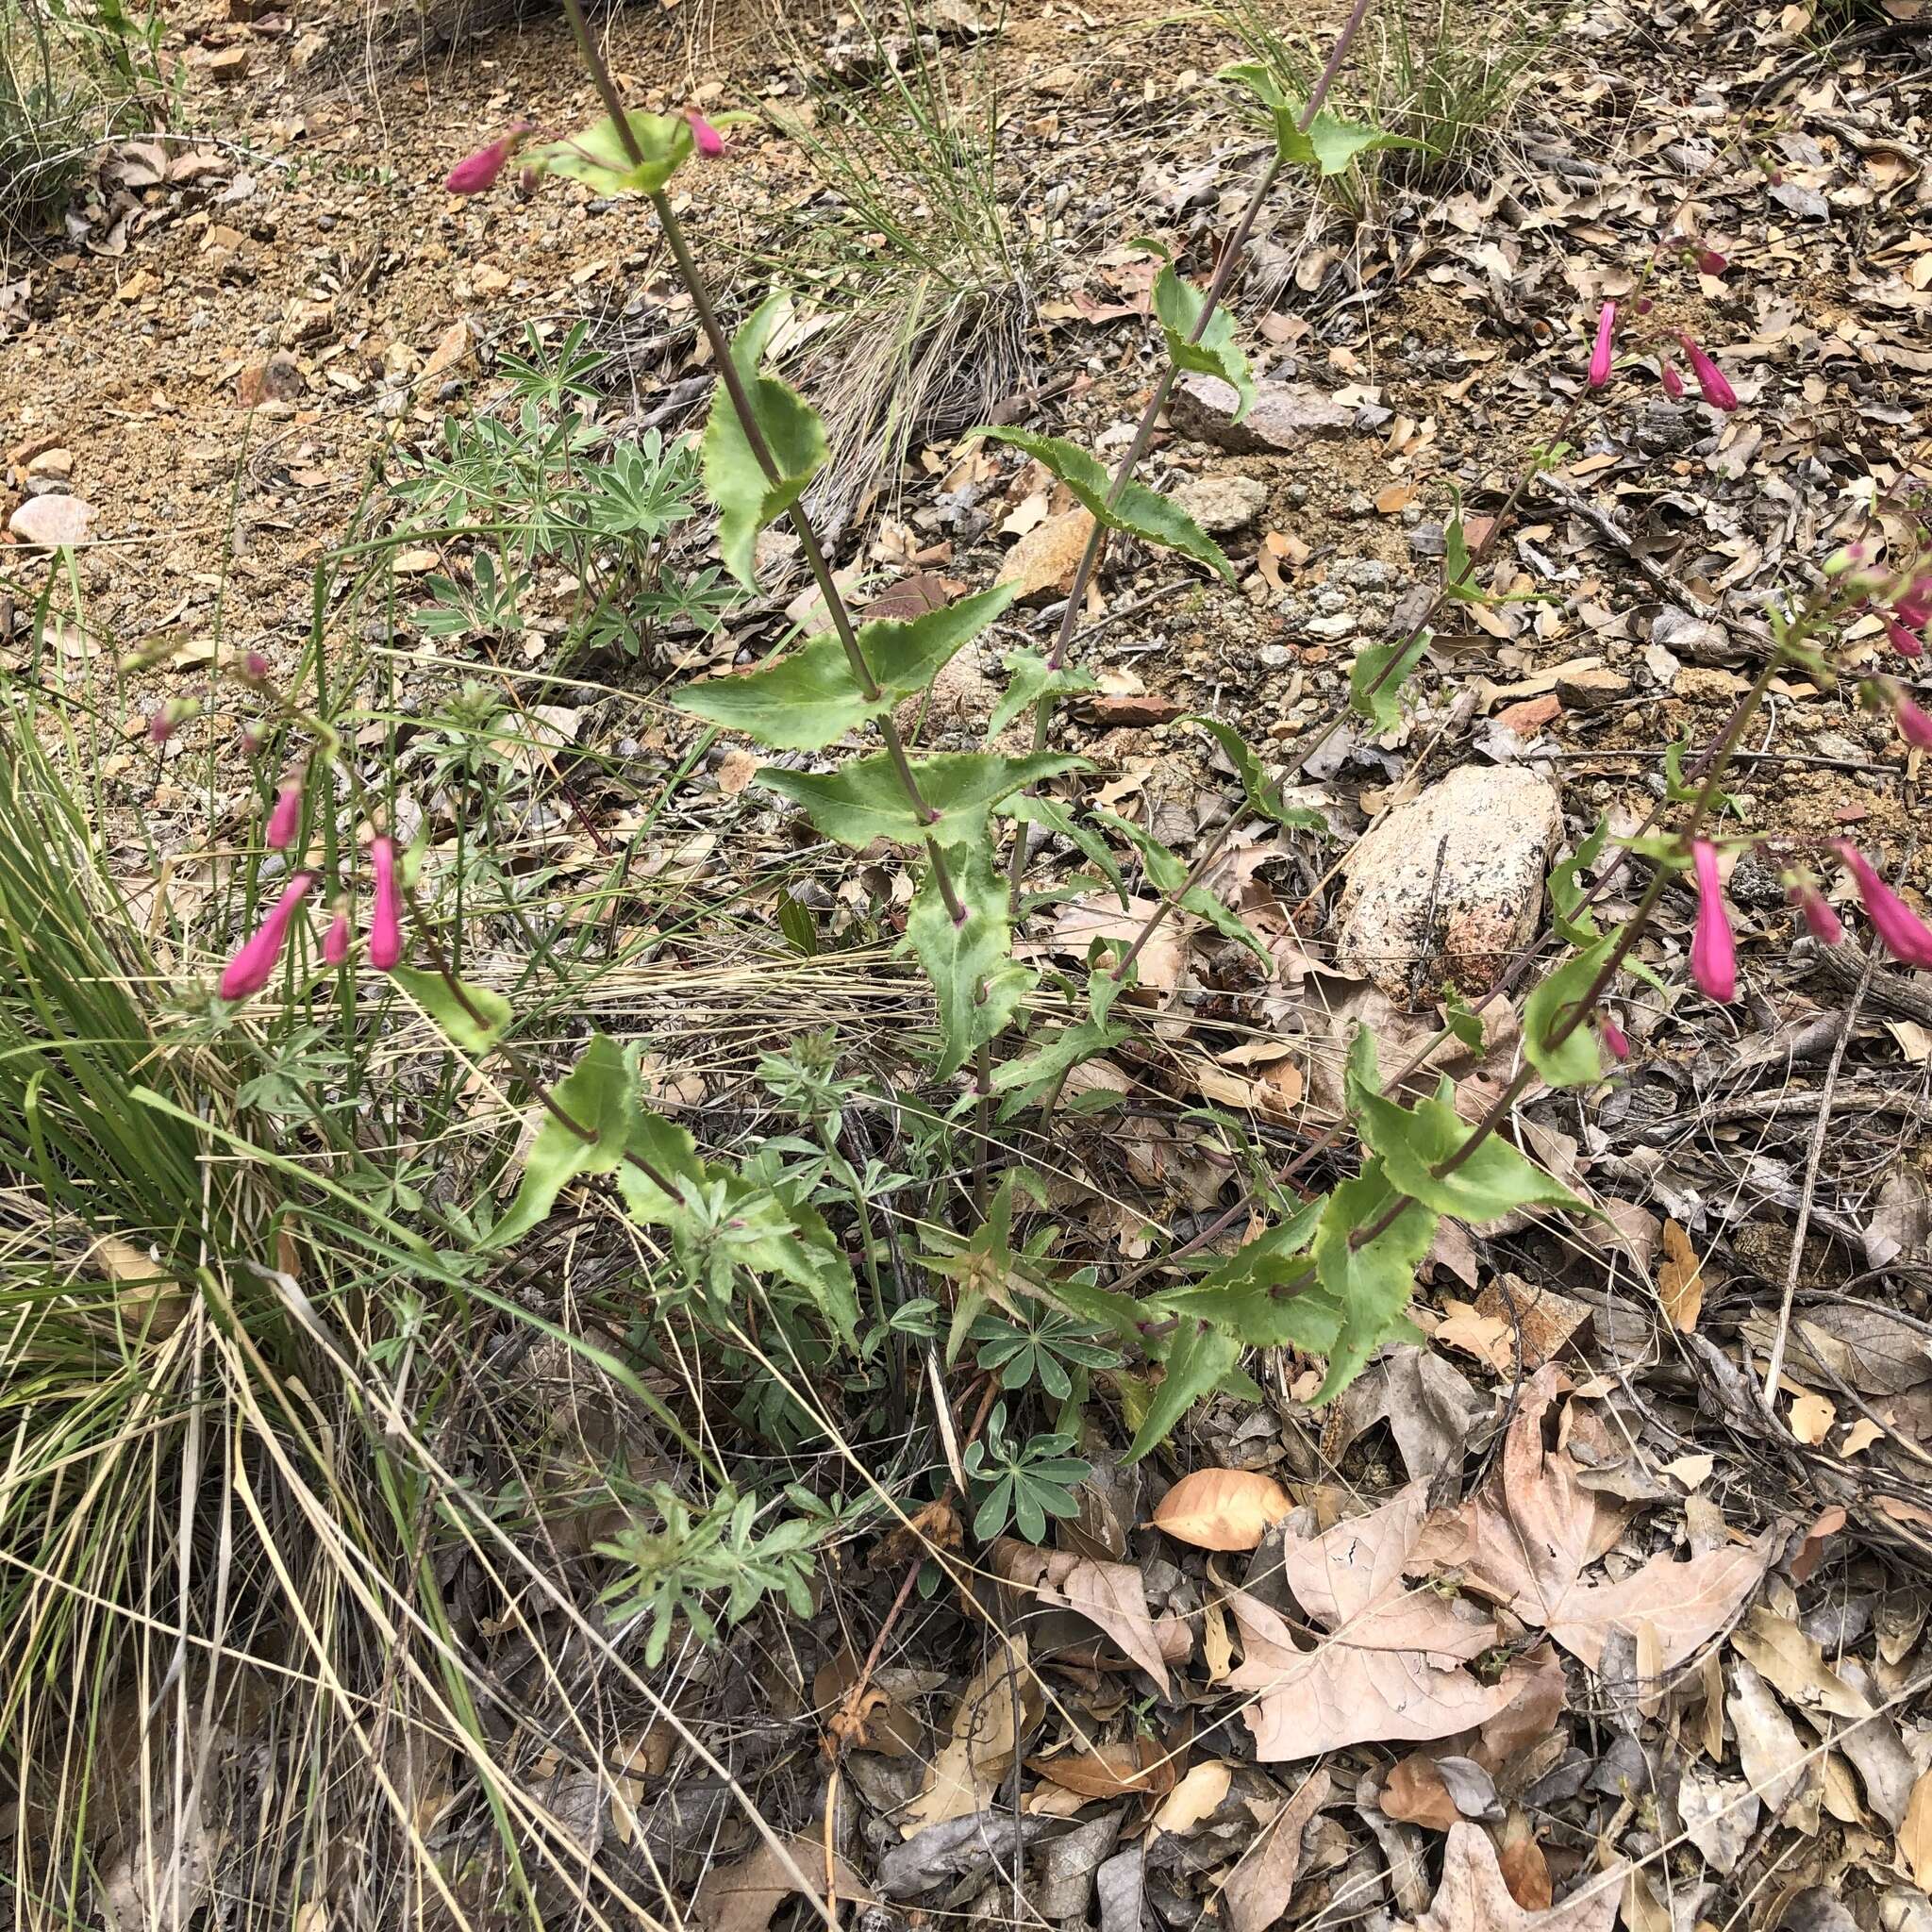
{"points": [[1532, 715]]}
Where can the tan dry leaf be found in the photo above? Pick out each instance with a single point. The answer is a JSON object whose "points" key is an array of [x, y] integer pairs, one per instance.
{"points": [[1680, 1279], [1217, 1644], [1915, 1834], [1794, 1665], [1110, 1595], [149, 1296], [1526, 1873], [1488, 1337], [1223, 1509], [1474, 1895], [1414, 1793], [1812, 1417], [1255, 1895], [1390, 1665], [742, 1897], [1860, 1437], [1198, 1795], [1526, 1539], [986, 1732]]}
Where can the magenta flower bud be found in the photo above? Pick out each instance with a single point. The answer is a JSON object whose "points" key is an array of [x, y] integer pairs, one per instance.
{"points": [[254, 667], [386, 920], [709, 141], [254, 739], [478, 172], [1644, 305], [1714, 953], [1775, 177], [1912, 608], [1673, 383], [248, 971], [1717, 390], [335, 942], [1913, 724], [1907, 644], [1824, 925], [169, 718], [1602, 356], [1900, 930], [1614, 1038], [1711, 262], [287, 816]]}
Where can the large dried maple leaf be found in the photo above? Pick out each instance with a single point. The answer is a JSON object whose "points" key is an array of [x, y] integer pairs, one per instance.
{"points": [[1474, 1898], [1390, 1665], [1527, 1537]]}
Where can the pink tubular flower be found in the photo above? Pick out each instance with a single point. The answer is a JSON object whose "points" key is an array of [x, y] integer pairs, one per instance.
{"points": [[1614, 1038], [1673, 383], [1601, 356], [1714, 953], [1913, 724], [248, 971], [254, 667], [478, 172], [335, 942], [1907, 644], [1717, 390], [386, 920], [287, 816], [1823, 923], [708, 141], [1900, 930]]}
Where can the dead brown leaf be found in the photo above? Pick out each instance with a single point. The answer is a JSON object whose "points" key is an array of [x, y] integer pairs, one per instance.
{"points": [[1257, 1893], [1526, 1873], [1414, 1793], [1915, 1834], [1475, 1896], [1110, 1770], [1680, 1279], [991, 1719], [1110, 1595], [1223, 1509], [742, 1897]]}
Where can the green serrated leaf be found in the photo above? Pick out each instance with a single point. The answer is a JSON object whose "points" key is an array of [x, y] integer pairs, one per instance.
{"points": [[1262, 793], [978, 983], [1463, 1021], [599, 156], [1579, 1061], [1177, 306], [1026, 1080], [1031, 678], [1331, 144], [1142, 512], [474, 1027], [1198, 1362], [1414, 1143], [1371, 1284], [734, 480], [1037, 808], [599, 1095], [1167, 874], [811, 699], [1377, 676], [864, 800], [1265, 1292], [1570, 915]]}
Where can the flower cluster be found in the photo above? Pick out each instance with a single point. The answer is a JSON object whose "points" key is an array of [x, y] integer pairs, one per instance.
{"points": [[252, 967]]}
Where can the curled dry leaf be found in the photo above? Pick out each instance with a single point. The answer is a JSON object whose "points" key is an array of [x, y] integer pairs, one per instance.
{"points": [[1223, 1509], [744, 1897], [1680, 1279], [995, 1710], [1257, 1893], [1198, 1795]]}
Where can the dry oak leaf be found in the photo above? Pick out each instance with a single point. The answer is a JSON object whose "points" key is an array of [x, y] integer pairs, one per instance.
{"points": [[1526, 1541], [1389, 1663], [1473, 1896], [1223, 1509], [1110, 1595], [742, 1897]]}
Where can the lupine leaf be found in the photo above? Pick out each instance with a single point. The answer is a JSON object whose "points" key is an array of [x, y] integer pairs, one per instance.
{"points": [[978, 983], [1371, 1284], [1033, 679], [431, 991], [1142, 512], [1177, 306], [1381, 701], [600, 1095], [1262, 793], [1198, 1362], [1413, 1141], [864, 800], [734, 480], [1579, 1061], [599, 157], [811, 699]]}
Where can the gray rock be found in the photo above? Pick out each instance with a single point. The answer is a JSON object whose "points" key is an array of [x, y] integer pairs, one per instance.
{"points": [[1340, 624], [1275, 657], [1450, 884], [1286, 416], [1221, 504], [1596, 688]]}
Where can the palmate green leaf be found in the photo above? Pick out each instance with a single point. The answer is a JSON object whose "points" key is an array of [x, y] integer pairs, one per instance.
{"points": [[1262, 793], [864, 800], [1177, 306], [1199, 1362], [600, 1095], [1142, 512], [599, 157], [1331, 145], [734, 480], [777, 1233], [1031, 678], [1579, 1061], [978, 983], [1377, 696], [811, 698], [1369, 1284], [433, 993]]}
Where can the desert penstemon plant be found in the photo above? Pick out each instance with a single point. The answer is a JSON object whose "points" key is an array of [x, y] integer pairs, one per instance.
{"points": [[1334, 1278]]}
